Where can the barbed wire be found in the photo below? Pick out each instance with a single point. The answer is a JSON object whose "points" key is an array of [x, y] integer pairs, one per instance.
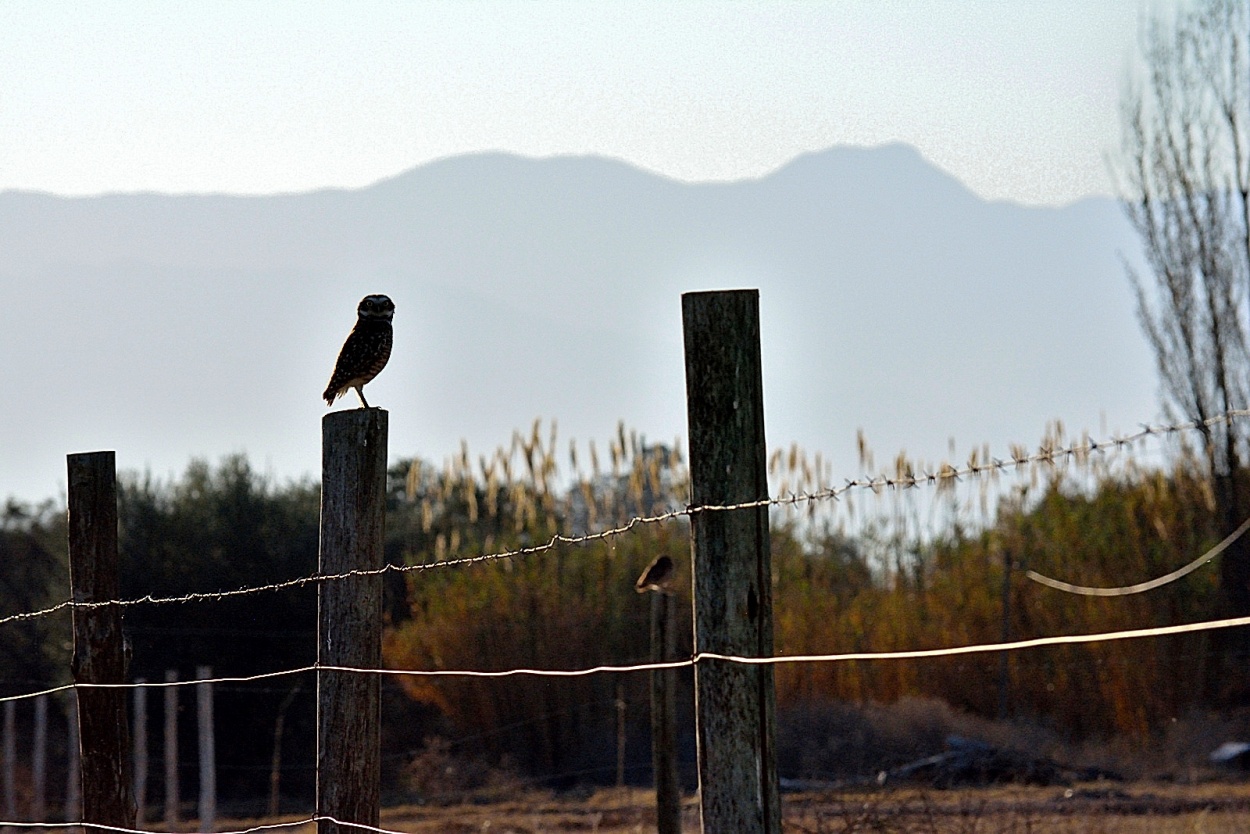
{"points": [[697, 658], [1125, 590], [946, 474]]}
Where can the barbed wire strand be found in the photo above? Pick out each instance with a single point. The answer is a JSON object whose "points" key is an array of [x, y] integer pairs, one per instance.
{"points": [[1158, 582], [776, 660], [944, 475]]}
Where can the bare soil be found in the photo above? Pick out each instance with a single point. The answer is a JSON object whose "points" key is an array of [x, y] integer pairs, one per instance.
{"points": [[1095, 808]]}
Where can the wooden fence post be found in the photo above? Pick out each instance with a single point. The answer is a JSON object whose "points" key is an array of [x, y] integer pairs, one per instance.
{"points": [[664, 715], [208, 752], [349, 618], [172, 797], [735, 703], [99, 652]]}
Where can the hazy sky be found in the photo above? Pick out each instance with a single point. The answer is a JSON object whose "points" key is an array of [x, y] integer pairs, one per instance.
{"points": [[1017, 99]]}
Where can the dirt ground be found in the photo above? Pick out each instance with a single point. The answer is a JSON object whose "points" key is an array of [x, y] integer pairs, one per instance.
{"points": [[1138, 808]]}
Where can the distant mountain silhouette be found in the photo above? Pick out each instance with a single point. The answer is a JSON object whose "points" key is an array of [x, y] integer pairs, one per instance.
{"points": [[893, 299]]}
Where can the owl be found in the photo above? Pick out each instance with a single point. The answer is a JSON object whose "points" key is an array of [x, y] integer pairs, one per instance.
{"points": [[366, 350]]}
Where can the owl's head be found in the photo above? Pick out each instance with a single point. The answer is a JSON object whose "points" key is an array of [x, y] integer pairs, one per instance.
{"points": [[375, 308]]}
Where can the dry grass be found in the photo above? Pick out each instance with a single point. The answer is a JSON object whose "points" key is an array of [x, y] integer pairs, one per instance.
{"points": [[1140, 808]]}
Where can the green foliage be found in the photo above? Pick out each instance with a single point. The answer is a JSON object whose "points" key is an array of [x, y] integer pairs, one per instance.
{"points": [[218, 529], [880, 588], [34, 653]]}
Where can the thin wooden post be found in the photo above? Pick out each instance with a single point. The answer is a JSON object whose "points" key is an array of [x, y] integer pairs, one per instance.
{"points": [[735, 703], [172, 797], [349, 618], [141, 751], [10, 760], [620, 733], [664, 715], [275, 763], [73, 768], [99, 654], [1004, 659], [39, 763], [208, 754]]}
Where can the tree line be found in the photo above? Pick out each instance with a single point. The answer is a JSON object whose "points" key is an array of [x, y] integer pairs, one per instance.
{"points": [[874, 585]]}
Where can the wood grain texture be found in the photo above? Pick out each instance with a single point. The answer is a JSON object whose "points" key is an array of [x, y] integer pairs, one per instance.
{"points": [[735, 704], [353, 501], [99, 645]]}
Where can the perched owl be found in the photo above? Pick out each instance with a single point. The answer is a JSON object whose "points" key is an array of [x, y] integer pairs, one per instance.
{"points": [[366, 350], [657, 576]]}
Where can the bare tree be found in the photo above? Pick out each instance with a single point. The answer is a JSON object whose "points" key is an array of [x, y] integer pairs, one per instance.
{"points": [[1185, 183]]}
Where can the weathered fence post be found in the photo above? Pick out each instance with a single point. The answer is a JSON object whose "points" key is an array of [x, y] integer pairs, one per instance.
{"points": [[735, 703], [208, 752], [172, 796], [349, 618], [664, 715], [99, 651]]}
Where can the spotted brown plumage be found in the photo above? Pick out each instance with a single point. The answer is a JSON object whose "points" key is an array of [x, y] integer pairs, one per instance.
{"points": [[366, 350]]}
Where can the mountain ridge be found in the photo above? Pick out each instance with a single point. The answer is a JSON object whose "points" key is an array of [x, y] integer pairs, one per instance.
{"points": [[199, 325]]}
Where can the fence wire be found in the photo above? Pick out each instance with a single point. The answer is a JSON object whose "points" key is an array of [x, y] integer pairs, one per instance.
{"points": [[943, 476], [1140, 587], [694, 660]]}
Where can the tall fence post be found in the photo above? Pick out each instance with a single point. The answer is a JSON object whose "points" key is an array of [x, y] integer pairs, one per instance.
{"points": [[99, 652], [349, 618], [735, 703]]}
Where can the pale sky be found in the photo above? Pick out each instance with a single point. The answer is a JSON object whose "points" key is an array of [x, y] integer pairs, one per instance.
{"points": [[1019, 100]]}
